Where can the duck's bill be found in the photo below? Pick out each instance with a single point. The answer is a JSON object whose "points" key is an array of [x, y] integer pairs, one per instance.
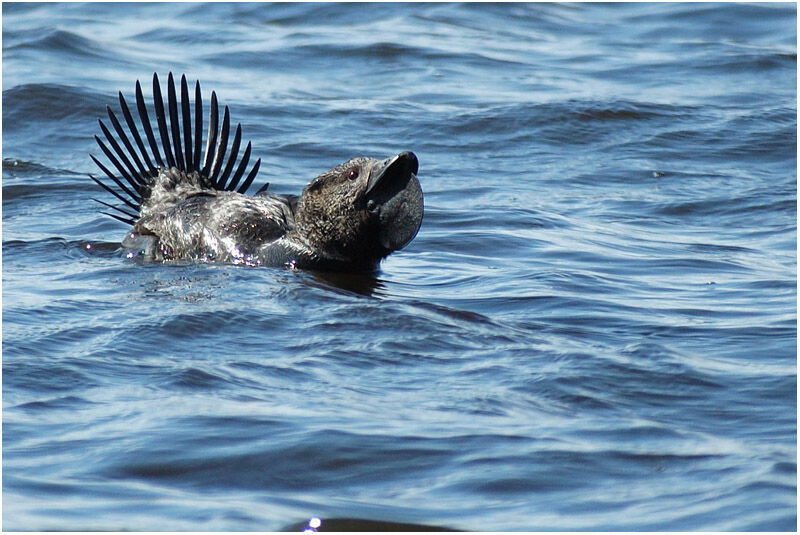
{"points": [[395, 196]]}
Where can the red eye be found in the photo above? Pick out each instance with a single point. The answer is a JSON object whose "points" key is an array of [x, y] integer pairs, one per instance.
{"points": [[353, 174]]}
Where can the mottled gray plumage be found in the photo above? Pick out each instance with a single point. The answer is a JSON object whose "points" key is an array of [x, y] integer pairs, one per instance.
{"points": [[347, 218]]}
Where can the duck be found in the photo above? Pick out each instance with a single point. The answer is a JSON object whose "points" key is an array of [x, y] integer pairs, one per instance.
{"points": [[184, 204]]}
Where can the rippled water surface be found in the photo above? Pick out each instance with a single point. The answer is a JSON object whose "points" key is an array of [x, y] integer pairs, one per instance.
{"points": [[595, 328]]}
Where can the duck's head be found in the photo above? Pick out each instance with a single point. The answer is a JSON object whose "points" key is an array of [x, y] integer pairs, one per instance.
{"points": [[362, 210]]}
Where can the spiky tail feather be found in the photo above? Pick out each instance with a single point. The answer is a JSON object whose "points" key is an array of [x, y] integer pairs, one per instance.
{"points": [[134, 177]]}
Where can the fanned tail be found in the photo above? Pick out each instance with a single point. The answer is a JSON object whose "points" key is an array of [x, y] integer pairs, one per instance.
{"points": [[180, 139]]}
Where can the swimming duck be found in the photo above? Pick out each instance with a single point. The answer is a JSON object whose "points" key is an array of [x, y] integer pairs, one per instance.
{"points": [[186, 208]]}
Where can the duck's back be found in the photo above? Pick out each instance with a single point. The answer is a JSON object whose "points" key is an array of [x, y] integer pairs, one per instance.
{"points": [[211, 225]]}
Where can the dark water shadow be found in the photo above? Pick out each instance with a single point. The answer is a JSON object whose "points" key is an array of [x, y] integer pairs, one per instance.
{"points": [[361, 283], [359, 524]]}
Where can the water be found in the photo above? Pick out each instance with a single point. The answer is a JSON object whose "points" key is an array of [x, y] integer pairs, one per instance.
{"points": [[595, 328]]}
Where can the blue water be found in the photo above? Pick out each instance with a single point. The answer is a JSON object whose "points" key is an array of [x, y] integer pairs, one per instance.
{"points": [[595, 329]]}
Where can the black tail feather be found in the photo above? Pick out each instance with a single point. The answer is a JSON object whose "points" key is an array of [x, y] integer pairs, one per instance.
{"points": [[211, 142], [118, 209], [135, 131], [161, 120], [219, 153], [237, 139], [187, 124], [250, 177], [263, 188], [122, 136], [132, 176], [180, 139], [173, 121], [115, 194], [127, 220], [198, 125], [148, 130], [237, 176], [118, 181]]}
